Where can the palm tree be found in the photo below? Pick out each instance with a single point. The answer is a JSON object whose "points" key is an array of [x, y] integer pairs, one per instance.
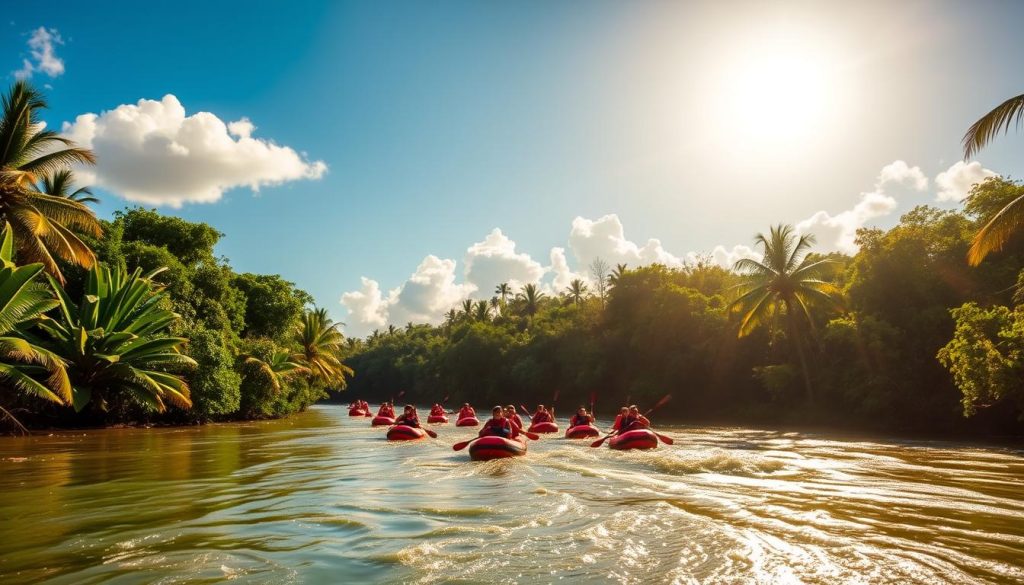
{"points": [[116, 341], [531, 297], [319, 348], [451, 317], [617, 273], [784, 283], [62, 184], [44, 225], [276, 369], [481, 311], [22, 299], [994, 235], [504, 292], [467, 309], [576, 291]]}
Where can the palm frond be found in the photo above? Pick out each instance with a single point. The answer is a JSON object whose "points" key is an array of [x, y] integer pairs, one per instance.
{"points": [[992, 124]]}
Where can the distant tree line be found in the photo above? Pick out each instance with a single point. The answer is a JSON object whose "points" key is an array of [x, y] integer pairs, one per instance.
{"points": [[904, 336]]}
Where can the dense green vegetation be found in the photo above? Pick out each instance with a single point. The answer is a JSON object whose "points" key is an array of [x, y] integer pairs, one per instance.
{"points": [[903, 336], [137, 320]]}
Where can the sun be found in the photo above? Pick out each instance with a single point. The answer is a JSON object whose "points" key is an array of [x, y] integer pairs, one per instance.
{"points": [[778, 93]]}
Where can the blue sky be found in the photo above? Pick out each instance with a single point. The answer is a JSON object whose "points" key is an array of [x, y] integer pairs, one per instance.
{"points": [[696, 124]]}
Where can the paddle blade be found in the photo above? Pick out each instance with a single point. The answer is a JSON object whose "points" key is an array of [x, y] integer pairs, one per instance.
{"points": [[432, 434], [526, 411], [665, 439], [600, 441], [532, 436], [461, 446]]}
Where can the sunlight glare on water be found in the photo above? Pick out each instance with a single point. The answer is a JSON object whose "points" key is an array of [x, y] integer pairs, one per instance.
{"points": [[321, 497]]}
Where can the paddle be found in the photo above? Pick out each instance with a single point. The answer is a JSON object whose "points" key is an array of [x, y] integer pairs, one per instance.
{"points": [[664, 438], [463, 444], [433, 435]]}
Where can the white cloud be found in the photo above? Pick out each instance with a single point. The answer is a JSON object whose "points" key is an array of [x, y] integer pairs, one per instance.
{"points": [[839, 232], [605, 238], [366, 307], [44, 58], [722, 256], [152, 152], [562, 275], [424, 298], [954, 183], [899, 172], [494, 260]]}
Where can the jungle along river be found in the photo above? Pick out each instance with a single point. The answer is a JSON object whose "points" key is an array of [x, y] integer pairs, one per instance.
{"points": [[324, 498]]}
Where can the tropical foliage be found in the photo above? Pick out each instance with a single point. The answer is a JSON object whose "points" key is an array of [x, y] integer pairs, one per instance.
{"points": [[140, 320], [115, 340], [46, 227], [1009, 220]]}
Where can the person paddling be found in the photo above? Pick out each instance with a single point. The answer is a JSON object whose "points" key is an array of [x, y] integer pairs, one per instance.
{"points": [[513, 417], [633, 420], [409, 418], [499, 426], [467, 411], [436, 410], [623, 412], [582, 417], [542, 415], [386, 410]]}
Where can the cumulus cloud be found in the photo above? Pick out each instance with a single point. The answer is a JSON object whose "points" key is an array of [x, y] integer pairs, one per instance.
{"points": [[44, 57], [494, 260], [954, 183], [899, 172], [153, 152], [433, 288], [839, 232], [722, 256], [424, 298], [605, 238], [562, 275], [367, 307]]}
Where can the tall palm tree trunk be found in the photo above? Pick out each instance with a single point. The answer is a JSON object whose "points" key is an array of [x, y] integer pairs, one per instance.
{"points": [[794, 333]]}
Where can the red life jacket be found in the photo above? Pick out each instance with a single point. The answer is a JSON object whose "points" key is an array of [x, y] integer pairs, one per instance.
{"points": [[499, 428]]}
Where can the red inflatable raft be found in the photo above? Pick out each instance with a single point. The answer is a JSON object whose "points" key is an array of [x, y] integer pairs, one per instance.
{"points": [[382, 421], [487, 448], [469, 421], [404, 433], [356, 412], [437, 418], [635, 439], [582, 432], [543, 427]]}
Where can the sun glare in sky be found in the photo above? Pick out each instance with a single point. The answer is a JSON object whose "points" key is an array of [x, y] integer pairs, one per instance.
{"points": [[777, 94]]}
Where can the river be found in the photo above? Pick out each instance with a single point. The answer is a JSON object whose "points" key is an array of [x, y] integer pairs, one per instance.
{"points": [[323, 498]]}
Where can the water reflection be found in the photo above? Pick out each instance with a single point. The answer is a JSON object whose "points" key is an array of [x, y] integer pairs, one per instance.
{"points": [[321, 497]]}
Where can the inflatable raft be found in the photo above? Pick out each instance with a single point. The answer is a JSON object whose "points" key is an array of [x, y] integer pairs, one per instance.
{"points": [[382, 421], [437, 418], [635, 439], [469, 421], [356, 412], [582, 432], [404, 433], [543, 427], [487, 448]]}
